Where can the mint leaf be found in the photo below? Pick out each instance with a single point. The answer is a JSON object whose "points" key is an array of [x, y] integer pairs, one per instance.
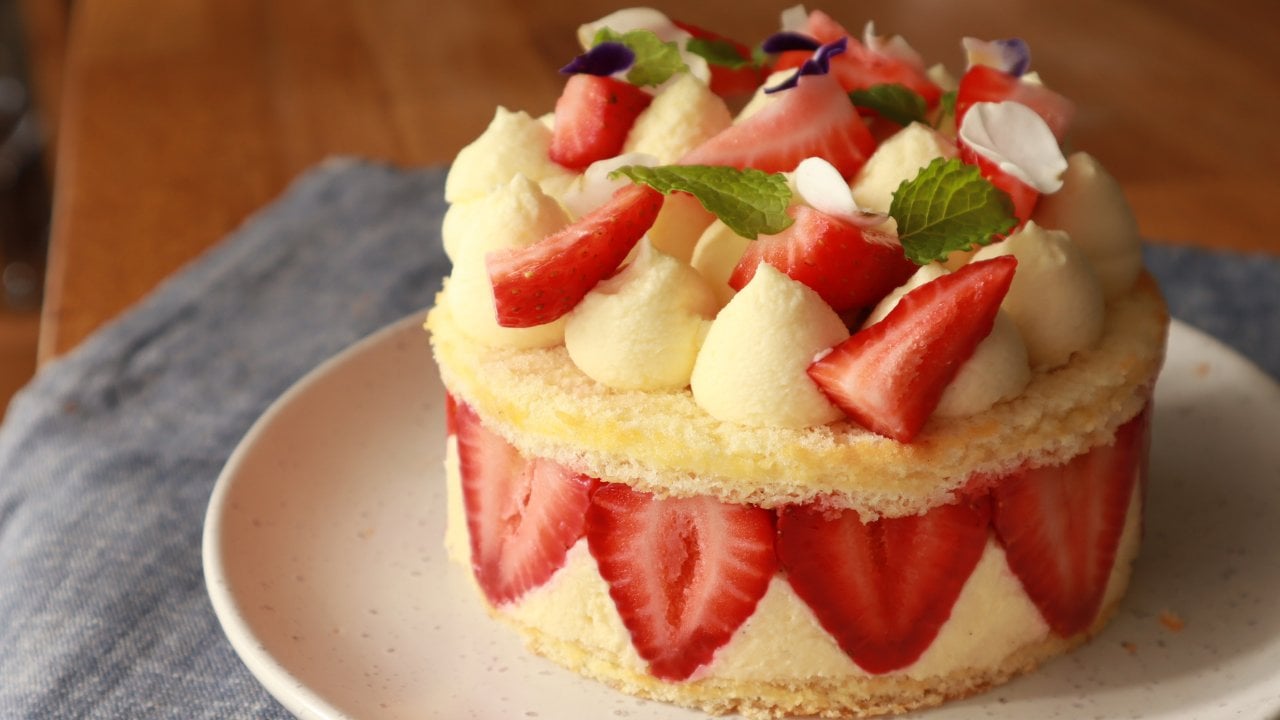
{"points": [[898, 103], [946, 107], [948, 206], [717, 52], [751, 202], [656, 61]]}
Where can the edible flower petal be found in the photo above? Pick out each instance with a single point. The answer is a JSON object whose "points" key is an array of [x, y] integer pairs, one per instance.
{"points": [[1011, 55], [604, 59], [894, 46], [1018, 140], [786, 40], [820, 185], [819, 64], [794, 18]]}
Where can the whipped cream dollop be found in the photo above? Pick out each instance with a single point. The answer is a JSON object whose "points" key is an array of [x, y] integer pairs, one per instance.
{"points": [[1017, 140], [715, 255], [681, 117], [1055, 299], [513, 143], [516, 214], [641, 329], [899, 158], [1091, 208], [752, 368], [998, 369]]}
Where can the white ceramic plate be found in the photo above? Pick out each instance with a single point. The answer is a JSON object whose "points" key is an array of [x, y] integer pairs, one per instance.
{"points": [[324, 562]]}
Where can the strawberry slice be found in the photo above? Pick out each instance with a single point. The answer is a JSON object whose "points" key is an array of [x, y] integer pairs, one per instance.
{"points": [[1061, 525], [1024, 196], [982, 83], [539, 283], [889, 377], [523, 514], [593, 116], [684, 573], [882, 589], [450, 414], [849, 267], [860, 67], [813, 119], [726, 81]]}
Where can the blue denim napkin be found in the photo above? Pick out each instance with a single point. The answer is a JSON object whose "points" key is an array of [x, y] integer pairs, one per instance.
{"points": [[108, 458]]}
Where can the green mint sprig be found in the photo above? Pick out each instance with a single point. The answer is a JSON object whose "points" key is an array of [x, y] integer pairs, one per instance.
{"points": [[948, 206], [893, 101], [718, 52], [751, 202], [656, 61], [946, 108]]}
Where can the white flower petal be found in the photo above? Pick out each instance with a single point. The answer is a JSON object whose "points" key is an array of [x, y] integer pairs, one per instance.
{"points": [[1017, 140]]}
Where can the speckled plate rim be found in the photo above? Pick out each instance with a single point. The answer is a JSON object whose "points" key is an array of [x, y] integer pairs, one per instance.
{"points": [[323, 560]]}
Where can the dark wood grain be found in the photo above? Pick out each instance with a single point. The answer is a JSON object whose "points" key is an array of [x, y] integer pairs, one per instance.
{"points": [[179, 119]]}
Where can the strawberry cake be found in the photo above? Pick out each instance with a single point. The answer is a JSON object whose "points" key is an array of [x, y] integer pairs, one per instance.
{"points": [[833, 403]]}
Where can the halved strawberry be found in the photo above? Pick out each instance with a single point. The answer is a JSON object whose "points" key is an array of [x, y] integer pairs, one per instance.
{"points": [[593, 116], [523, 514], [814, 118], [889, 377], [860, 67], [1061, 525], [539, 283], [849, 267], [684, 573], [882, 589], [727, 81], [1024, 196], [982, 83]]}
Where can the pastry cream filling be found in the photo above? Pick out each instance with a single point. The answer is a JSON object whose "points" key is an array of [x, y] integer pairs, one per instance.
{"points": [[513, 143], [992, 617], [1091, 209], [641, 329], [896, 160], [752, 368], [1055, 299]]}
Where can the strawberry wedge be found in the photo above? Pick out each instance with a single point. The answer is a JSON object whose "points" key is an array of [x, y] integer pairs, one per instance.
{"points": [[539, 283], [987, 84], [684, 573], [860, 67], [882, 589], [889, 377], [1023, 196], [593, 116], [1061, 526], [847, 266], [523, 515], [813, 119]]}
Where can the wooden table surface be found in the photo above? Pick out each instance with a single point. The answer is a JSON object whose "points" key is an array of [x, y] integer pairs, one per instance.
{"points": [[179, 119]]}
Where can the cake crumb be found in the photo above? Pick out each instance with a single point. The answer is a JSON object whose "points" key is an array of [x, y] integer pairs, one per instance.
{"points": [[1129, 647], [1171, 621]]}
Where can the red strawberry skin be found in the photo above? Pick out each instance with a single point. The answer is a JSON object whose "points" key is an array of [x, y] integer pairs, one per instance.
{"points": [[539, 283], [987, 84], [814, 118], [523, 514], [684, 573], [889, 377], [849, 267], [1061, 525], [1024, 196], [859, 68], [593, 116], [882, 589]]}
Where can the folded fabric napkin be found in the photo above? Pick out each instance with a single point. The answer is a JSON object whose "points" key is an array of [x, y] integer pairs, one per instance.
{"points": [[108, 458]]}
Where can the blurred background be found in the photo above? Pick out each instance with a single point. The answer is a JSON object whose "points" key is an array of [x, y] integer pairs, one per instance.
{"points": [[174, 120]]}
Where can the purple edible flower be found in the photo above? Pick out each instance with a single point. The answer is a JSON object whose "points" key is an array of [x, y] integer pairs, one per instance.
{"points": [[1011, 55], [784, 41], [1017, 55], [604, 59], [819, 64]]}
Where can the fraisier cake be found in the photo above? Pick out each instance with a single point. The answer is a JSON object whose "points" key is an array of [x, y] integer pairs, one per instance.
{"points": [[834, 406]]}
